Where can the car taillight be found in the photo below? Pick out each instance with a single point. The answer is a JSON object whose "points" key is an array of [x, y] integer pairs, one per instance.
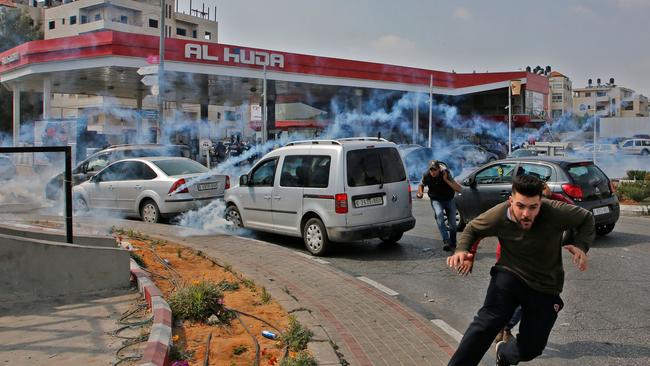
{"points": [[410, 191], [612, 187], [227, 186], [572, 190], [179, 183], [341, 203]]}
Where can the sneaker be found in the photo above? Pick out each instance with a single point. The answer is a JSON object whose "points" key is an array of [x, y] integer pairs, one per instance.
{"points": [[500, 360], [448, 247]]}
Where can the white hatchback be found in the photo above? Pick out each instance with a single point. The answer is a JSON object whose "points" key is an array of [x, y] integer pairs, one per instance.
{"points": [[326, 190]]}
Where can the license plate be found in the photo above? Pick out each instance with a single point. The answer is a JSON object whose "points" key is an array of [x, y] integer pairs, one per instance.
{"points": [[365, 202], [207, 186], [601, 210]]}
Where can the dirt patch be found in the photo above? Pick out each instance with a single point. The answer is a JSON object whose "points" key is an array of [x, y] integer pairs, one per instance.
{"points": [[230, 344]]}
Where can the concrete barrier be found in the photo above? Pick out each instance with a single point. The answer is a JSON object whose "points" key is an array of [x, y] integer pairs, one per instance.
{"points": [[38, 268], [25, 231]]}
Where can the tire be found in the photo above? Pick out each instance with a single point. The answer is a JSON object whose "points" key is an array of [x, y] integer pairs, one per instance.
{"points": [[79, 206], [391, 238], [149, 211], [232, 214], [645, 152], [315, 237], [460, 222], [603, 230]]}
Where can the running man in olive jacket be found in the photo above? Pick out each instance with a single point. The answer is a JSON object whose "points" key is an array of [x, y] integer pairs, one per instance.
{"points": [[529, 272]]}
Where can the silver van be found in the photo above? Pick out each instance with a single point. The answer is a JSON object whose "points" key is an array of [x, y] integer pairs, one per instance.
{"points": [[636, 146], [326, 190]]}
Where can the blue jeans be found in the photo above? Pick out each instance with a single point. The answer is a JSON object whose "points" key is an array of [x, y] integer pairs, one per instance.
{"points": [[440, 208]]}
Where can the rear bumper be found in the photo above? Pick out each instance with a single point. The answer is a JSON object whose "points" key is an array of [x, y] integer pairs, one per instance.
{"points": [[604, 219], [171, 207], [370, 231]]}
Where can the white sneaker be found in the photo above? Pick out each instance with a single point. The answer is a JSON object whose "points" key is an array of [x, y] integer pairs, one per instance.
{"points": [[500, 361]]}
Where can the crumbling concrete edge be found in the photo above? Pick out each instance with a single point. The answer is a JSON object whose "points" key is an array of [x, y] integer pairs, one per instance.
{"points": [[156, 352]]}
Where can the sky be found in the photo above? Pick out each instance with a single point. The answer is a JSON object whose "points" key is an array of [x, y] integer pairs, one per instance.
{"points": [[579, 38]]}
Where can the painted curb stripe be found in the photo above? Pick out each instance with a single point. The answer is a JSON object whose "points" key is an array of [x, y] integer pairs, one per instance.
{"points": [[378, 286]]}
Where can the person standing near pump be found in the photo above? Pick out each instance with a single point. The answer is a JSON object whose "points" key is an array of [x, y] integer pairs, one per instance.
{"points": [[441, 190], [529, 271]]}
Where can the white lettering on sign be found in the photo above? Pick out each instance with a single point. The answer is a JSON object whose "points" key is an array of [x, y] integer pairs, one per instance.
{"points": [[11, 58], [237, 55]]}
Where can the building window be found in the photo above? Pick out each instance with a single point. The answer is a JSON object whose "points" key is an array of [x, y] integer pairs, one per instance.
{"points": [[84, 19], [194, 33], [208, 35], [124, 19], [73, 19], [63, 21], [601, 94], [181, 32], [52, 24], [556, 97], [588, 94], [98, 16], [153, 23]]}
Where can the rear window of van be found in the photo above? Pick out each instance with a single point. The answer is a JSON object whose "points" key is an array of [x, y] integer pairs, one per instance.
{"points": [[374, 166]]}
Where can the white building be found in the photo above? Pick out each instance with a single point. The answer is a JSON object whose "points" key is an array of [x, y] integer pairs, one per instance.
{"points": [[561, 95], [609, 100]]}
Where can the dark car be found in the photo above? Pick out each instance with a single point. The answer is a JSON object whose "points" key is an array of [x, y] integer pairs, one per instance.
{"points": [[99, 160], [579, 180]]}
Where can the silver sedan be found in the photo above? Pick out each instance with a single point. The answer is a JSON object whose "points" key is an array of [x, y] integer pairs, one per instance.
{"points": [[152, 188]]}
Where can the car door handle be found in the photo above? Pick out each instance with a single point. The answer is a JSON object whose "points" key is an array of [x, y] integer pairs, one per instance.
{"points": [[267, 197], [137, 186], [277, 197]]}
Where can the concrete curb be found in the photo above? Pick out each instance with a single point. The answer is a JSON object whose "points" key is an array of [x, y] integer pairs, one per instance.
{"points": [[160, 339], [635, 210]]}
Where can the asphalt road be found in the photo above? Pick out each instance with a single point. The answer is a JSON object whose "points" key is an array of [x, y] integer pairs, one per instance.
{"points": [[606, 319]]}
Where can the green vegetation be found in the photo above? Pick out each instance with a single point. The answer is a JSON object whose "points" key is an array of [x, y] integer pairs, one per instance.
{"points": [[198, 301], [296, 336], [303, 358]]}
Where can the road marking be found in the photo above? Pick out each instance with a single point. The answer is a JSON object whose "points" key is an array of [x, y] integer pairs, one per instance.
{"points": [[321, 261], [448, 329], [378, 286]]}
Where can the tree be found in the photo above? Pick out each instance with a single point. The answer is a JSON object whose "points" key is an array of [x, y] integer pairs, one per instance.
{"points": [[16, 28]]}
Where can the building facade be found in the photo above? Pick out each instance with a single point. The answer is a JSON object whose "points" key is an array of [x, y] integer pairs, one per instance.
{"points": [[560, 95], [141, 17], [608, 100]]}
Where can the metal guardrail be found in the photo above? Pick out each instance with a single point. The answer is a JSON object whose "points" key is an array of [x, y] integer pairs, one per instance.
{"points": [[68, 177]]}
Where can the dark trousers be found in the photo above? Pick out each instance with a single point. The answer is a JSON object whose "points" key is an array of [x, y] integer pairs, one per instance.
{"points": [[505, 293]]}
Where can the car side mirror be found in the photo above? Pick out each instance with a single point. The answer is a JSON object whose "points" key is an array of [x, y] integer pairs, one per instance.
{"points": [[243, 180], [470, 182]]}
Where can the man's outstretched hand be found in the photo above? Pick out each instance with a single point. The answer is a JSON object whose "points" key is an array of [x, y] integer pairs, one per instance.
{"points": [[462, 262], [579, 257]]}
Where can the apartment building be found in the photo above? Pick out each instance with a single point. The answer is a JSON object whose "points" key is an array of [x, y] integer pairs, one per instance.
{"points": [[143, 17], [561, 95], [608, 100]]}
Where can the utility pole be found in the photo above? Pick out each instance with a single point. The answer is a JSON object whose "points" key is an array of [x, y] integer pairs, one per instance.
{"points": [[161, 70], [265, 122], [430, 107], [509, 117]]}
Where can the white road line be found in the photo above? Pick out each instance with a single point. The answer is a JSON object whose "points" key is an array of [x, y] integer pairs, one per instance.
{"points": [[321, 261], [378, 286], [448, 329]]}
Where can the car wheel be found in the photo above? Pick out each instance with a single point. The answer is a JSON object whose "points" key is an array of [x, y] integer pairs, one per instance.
{"points": [[603, 230], [233, 215], [645, 152], [391, 238], [149, 211], [315, 237], [79, 206]]}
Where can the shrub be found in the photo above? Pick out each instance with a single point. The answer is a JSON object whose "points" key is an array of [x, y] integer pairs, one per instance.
{"points": [[239, 350], [637, 191], [224, 285], [303, 358], [265, 296], [637, 174], [296, 336], [198, 301]]}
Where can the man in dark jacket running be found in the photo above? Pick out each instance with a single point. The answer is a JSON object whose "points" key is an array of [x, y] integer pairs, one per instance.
{"points": [[529, 272]]}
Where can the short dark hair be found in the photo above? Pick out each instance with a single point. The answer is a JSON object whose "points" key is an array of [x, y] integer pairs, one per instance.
{"points": [[527, 185]]}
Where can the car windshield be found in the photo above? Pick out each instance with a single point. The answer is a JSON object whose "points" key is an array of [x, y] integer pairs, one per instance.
{"points": [[374, 166], [591, 179], [156, 151], [174, 167]]}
